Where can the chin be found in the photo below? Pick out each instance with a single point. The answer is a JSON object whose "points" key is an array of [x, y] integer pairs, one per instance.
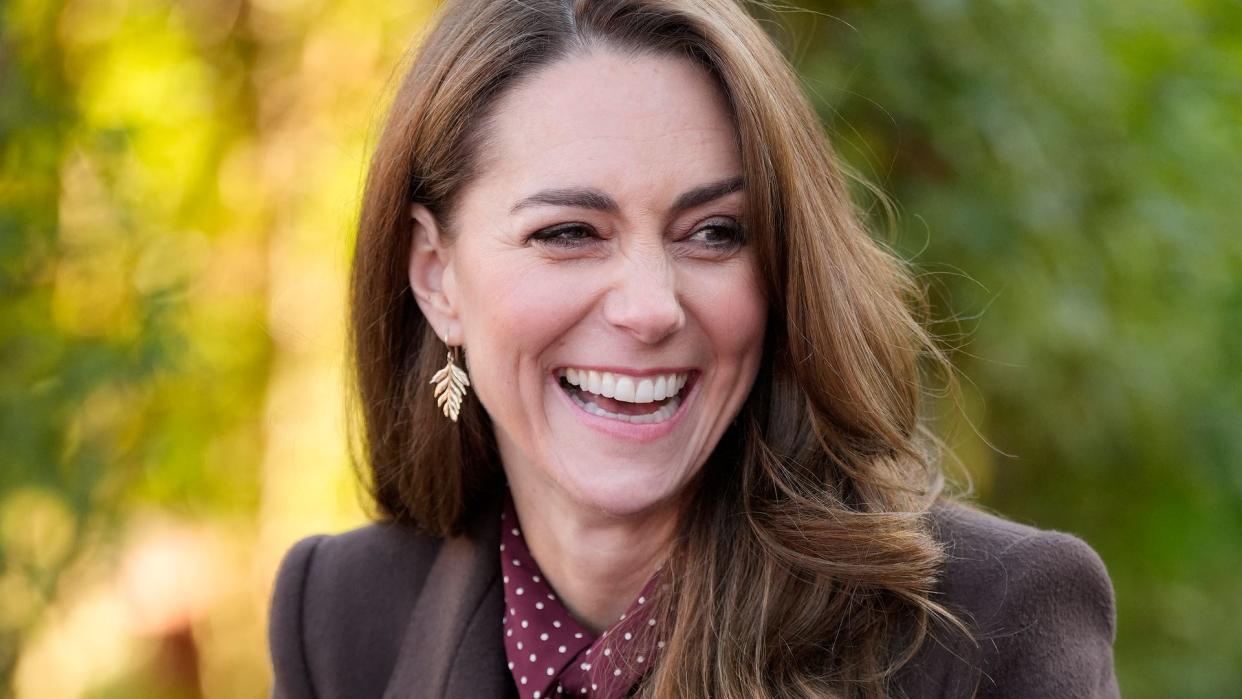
{"points": [[623, 490]]}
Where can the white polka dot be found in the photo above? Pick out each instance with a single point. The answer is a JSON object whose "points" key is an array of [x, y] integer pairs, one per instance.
{"points": [[561, 649], [517, 563], [622, 616], [536, 695], [506, 579], [551, 596], [551, 672], [532, 657], [523, 679], [616, 673], [535, 578], [543, 637], [512, 610], [524, 623], [539, 605], [585, 666], [509, 632], [578, 635], [584, 690], [640, 658], [514, 530], [607, 652], [556, 624], [519, 645], [628, 635], [510, 664], [502, 547], [588, 651], [642, 600], [659, 644], [651, 622], [519, 591], [594, 686]]}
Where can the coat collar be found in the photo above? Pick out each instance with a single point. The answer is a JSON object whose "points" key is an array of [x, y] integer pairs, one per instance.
{"points": [[452, 645]]}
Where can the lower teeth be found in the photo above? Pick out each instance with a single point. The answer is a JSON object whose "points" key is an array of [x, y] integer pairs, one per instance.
{"points": [[665, 412]]}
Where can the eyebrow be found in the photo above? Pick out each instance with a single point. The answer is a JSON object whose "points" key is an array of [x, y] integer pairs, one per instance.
{"points": [[591, 198]]}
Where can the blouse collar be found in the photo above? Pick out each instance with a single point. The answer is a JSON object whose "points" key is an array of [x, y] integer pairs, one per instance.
{"points": [[549, 652]]}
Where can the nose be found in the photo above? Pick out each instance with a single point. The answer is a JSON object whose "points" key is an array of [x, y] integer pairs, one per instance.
{"points": [[644, 300]]}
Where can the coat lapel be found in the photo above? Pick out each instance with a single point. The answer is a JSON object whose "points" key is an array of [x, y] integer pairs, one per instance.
{"points": [[452, 646]]}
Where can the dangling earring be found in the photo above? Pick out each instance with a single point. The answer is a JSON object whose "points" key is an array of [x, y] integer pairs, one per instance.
{"points": [[451, 382]]}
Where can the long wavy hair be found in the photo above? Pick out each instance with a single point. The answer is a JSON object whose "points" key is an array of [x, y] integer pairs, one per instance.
{"points": [[805, 565]]}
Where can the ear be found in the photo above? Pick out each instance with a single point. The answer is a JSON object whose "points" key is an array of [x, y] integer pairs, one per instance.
{"points": [[431, 275]]}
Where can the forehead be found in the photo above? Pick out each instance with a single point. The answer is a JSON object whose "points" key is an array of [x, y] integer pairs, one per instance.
{"points": [[631, 124]]}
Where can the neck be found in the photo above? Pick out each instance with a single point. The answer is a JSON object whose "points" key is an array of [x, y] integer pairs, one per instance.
{"points": [[597, 563]]}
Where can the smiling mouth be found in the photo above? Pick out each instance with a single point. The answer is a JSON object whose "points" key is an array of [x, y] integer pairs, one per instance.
{"points": [[637, 400]]}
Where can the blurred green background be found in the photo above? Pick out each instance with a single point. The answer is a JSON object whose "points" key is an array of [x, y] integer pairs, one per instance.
{"points": [[177, 192]]}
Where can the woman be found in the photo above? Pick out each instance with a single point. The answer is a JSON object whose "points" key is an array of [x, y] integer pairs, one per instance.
{"points": [[675, 447]]}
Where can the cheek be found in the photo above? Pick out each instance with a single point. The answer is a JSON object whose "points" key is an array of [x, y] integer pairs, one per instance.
{"points": [[520, 303], [732, 311], [512, 313]]}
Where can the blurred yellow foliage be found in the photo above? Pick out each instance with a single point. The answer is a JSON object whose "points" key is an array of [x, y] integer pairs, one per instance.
{"points": [[209, 156]]}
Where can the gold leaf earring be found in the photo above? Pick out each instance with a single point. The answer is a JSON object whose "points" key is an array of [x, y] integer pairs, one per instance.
{"points": [[451, 382]]}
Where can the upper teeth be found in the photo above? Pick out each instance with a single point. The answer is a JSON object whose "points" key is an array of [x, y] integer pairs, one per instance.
{"points": [[630, 389]]}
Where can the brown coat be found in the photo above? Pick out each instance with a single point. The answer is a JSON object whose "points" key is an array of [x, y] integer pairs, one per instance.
{"points": [[384, 611]]}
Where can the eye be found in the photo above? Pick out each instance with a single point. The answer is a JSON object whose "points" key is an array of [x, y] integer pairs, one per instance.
{"points": [[719, 235], [567, 236]]}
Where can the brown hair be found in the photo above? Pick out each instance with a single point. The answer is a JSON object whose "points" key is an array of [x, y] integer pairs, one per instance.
{"points": [[805, 565]]}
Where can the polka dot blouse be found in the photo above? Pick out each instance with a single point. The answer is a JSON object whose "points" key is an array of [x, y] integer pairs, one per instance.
{"points": [[550, 654]]}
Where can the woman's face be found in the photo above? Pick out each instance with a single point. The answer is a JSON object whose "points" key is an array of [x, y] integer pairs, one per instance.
{"points": [[603, 291]]}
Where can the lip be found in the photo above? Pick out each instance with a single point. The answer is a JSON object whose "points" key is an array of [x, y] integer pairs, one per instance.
{"points": [[628, 431], [628, 371]]}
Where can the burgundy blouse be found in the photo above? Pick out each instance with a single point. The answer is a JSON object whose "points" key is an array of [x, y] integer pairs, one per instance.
{"points": [[549, 652]]}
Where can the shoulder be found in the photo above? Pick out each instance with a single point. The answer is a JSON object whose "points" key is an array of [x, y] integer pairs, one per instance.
{"points": [[371, 555], [989, 558], [358, 585], [1039, 605]]}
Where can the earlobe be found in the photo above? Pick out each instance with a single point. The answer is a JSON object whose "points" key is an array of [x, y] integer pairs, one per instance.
{"points": [[428, 264]]}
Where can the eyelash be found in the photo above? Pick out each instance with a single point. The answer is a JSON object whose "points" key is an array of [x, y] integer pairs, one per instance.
{"points": [[551, 236]]}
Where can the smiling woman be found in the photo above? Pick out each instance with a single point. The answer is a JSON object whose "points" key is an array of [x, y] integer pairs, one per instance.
{"points": [[627, 263], [691, 462]]}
